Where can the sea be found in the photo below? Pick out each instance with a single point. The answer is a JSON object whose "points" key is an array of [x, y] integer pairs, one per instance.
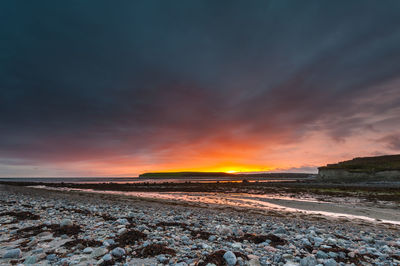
{"points": [[130, 180]]}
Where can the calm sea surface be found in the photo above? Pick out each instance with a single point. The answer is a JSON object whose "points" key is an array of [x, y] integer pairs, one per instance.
{"points": [[95, 180]]}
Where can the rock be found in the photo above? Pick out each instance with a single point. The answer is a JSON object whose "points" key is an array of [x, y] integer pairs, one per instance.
{"points": [[109, 242], [351, 254], [88, 250], [306, 242], [44, 234], [38, 251], [308, 261], [205, 246], [122, 221], [251, 256], [66, 222], [224, 230], [99, 252], [290, 263], [322, 255], [281, 231], [161, 258], [254, 262], [118, 252], [64, 261], [12, 254], [332, 254], [230, 258], [107, 257], [30, 260], [331, 262], [51, 257], [287, 256], [318, 241], [331, 241], [236, 245], [122, 230], [212, 238]]}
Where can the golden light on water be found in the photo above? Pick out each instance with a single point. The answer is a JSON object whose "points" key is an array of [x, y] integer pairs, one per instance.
{"points": [[231, 172]]}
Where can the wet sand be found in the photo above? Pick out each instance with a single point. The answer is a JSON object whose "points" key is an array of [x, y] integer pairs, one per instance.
{"points": [[350, 207]]}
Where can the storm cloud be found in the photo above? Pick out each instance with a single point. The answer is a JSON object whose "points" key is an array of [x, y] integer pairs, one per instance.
{"points": [[156, 84]]}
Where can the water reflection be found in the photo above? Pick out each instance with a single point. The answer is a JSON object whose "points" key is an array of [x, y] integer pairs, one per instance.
{"points": [[267, 202]]}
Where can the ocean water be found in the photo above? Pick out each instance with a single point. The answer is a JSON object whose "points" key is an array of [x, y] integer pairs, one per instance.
{"points": [[130, 180]]}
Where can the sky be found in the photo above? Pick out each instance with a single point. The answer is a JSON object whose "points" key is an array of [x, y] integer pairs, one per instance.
{"points": [[118, 88]]}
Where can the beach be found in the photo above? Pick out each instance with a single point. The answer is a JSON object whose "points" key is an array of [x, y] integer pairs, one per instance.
{"points": [[55, 227]]}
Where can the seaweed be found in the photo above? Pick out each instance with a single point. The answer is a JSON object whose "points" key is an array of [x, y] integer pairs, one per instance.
{"points": [[154, 250], [83, 242], [200, 234], [21, 216], [217, 258], [130, 237]]}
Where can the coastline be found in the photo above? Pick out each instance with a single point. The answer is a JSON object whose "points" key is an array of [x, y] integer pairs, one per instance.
{"points": [[349, 207], [195, 233]]}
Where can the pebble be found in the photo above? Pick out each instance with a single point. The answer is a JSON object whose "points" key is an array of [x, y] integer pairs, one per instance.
{"points": [[51, 257], [322, 255], [30, 260], [224, 230], [230, 258], [212, 238], [254, 262], [236, 245], [122, 221], [161, 258], [99, 252], [122, 231], [308, 261], [88, 250], [280, 230], [66, 222], [330, 262], [107, 257], [12, 254], [118, 252]]}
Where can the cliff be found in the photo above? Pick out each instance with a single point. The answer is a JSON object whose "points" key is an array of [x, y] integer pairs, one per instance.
{"points": [[369, 168]]}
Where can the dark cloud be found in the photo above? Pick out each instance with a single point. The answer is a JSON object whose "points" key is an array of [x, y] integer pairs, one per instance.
{"points": [[392, 141], [92, 80]]}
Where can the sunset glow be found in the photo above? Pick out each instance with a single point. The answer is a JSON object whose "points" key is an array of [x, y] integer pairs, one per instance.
{"points": [[266, 87]]}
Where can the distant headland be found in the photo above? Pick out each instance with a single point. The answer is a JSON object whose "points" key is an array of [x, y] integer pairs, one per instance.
{"points": [[385, 167], [176, 175]]}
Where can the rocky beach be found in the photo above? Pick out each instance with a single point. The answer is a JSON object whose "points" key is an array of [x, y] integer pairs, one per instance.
{"points": [[42, 227]]}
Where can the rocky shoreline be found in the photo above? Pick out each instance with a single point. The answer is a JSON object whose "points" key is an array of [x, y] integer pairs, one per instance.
{"points": [[40, 227]]}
